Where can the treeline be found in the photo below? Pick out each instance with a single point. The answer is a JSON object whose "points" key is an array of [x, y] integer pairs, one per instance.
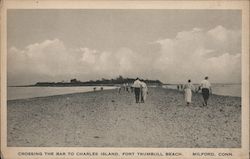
{"points": [[107, 82], [121, 80]]}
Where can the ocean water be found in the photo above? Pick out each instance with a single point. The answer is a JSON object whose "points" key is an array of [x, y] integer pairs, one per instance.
{"points": [[219, 89], [31, 92]]}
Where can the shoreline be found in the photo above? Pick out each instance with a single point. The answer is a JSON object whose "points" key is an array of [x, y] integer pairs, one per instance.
{"points": [[115, 89], [109, 119], [51, 96], [101, 85]]}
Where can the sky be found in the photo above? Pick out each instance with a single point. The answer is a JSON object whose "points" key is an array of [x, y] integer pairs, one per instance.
{"points": [[169, 45]]}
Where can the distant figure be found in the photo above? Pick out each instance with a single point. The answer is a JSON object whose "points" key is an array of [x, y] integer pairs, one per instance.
{"points": [[131, 88], [124, 86], [127, 87], [101, 88], [119, 89], [94, 89], [137, 89], [178, 87], [188, 92], [205, 87], [181, 86], [144, 91]]}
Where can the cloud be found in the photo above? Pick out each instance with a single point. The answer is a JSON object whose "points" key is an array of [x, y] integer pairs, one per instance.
{"points": [[40, 61], [191, 54], [224, 40], [197, 53], [52, 61]]}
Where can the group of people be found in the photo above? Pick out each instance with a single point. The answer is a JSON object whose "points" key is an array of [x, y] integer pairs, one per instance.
{"points": [[205, 88], [125, 87], [141, 90]]}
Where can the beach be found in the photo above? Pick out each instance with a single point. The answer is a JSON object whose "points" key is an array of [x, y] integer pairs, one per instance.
{"points": [[109, 119]]}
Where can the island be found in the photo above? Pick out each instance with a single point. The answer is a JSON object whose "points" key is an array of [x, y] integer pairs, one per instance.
{"points": [[102, 82]]}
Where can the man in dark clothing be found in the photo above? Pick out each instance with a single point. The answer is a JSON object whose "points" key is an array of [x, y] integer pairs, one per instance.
{"points": [[137, 89], [205, 89]]}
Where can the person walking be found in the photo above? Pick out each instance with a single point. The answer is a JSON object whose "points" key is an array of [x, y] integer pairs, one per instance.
{"points": [[144, 91], [137, 89], [188, 88], [205, 87], [127, 87]]}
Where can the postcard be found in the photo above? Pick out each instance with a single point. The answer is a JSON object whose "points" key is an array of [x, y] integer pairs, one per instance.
{"points": [[124, 79]]}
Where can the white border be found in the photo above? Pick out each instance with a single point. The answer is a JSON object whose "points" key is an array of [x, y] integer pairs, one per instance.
{"points": [[239, 153]]}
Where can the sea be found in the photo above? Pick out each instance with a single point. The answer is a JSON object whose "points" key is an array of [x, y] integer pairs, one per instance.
{"points": [[233, 90], [31, 92]]}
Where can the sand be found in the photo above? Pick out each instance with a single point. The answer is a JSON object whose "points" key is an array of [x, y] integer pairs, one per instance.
{"points": [[109, 119]]}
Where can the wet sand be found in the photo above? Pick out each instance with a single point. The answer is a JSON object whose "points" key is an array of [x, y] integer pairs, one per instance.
{"points": [[109, 119]]}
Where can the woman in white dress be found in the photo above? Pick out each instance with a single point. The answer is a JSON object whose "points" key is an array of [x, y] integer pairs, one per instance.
{"points": [[144, 91], [188, 92]]}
